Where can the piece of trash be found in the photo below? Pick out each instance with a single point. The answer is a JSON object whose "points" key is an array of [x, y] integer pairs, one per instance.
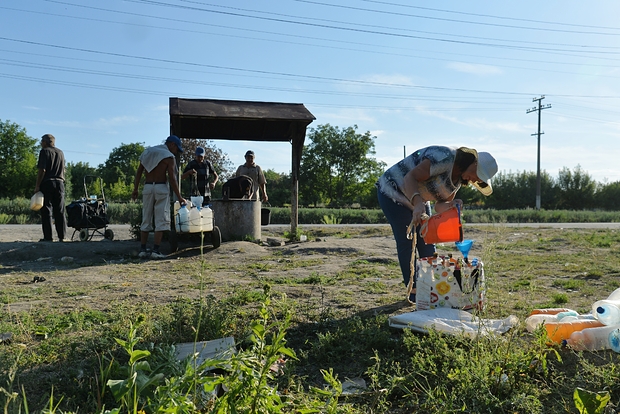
{"points": [[5, 338], [222, 348], [42, 259], [353, 386], [66, 259], [303, 238], [278, 366], [38, 279]]}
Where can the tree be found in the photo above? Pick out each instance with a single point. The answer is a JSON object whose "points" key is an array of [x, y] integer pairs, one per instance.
{"points": [[278, 188], [337, 167], [607, 196], [120, 168], [18, 157], [577, 189], [76, 172]]}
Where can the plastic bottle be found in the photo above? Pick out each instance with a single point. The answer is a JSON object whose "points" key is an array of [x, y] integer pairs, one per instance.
{"points": [[562, 330], [534, 321], [590, 339], [615, 295], [182, 220], [607, 311], [564, 314], [195, 221], [550, 311], [614, 339], [206, 218]]}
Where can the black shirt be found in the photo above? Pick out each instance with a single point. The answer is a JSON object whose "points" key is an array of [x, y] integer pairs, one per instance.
{"points": [[52, 160]]}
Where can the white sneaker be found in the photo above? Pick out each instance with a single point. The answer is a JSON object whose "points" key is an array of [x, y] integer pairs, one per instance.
{"points": [[157, 255], [143, 254]]}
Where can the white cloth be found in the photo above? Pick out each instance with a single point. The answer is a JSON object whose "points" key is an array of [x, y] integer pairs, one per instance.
{"points": [[452, 321], [152, 156]]}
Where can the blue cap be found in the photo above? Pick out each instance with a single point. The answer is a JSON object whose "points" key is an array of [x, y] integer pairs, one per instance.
{"points": [[200, 151], [176, 140]]}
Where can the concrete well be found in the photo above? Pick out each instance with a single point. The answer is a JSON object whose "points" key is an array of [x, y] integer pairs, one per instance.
{"points": [[237, 219]]}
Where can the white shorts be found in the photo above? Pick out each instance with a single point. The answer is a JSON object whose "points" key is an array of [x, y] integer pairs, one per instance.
{"points": [[155, 204]]}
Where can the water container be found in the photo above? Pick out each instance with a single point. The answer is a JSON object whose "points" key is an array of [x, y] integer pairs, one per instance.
{"points": [[36, 201], [560, 331], [615, 295], [607, 311], [197, 201], [614, 339], [182, 220], [195, 221], [206, 219], [534, 321], [550, 311], [591, 339], [443, 227]]}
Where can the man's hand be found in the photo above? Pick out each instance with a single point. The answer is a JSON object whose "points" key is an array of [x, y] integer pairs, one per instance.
{"points": [[211, 186], [265, 198], [134, 195]]}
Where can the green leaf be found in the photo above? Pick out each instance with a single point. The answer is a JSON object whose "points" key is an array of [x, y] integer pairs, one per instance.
{"points": [[590, 402], [138, 355], [119, 388]]}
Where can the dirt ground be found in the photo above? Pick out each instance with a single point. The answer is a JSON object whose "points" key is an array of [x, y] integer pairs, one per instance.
{"points": [[100, 272]]}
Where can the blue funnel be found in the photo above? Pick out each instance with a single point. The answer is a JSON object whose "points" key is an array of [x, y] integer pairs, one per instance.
{"points": [[464, 247]]}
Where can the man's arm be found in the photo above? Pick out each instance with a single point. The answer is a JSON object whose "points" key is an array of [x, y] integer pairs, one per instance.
{"points": [[262, 184], [40, 176], [170, 167], [136, 182], [215, 177]]}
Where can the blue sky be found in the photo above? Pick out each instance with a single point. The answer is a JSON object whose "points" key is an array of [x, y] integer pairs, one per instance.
{"points": [[98, 74]]}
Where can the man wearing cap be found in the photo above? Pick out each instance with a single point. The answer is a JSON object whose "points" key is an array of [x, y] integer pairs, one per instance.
{"points": [[430, 174], [51, 182], [201, 169], [159, 166], [254, 171]]}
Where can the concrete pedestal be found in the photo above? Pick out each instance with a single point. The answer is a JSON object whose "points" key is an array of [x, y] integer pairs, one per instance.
{"points": [[237, 219]]}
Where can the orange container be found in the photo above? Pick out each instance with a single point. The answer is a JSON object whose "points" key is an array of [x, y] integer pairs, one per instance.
{"points": [[559, 331], [550, 311], [443, 227]]}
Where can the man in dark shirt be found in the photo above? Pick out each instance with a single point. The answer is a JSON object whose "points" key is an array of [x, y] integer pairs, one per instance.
{"points": [[51, 182], [201, 169]]}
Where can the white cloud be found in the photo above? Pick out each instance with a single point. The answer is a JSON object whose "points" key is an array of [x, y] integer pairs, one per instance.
{"points": [[474, 69]]}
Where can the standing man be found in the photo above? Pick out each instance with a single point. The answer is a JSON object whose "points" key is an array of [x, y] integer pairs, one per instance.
{"points": [[51, 182], [201, 169], [160, 166], [256, 174]]}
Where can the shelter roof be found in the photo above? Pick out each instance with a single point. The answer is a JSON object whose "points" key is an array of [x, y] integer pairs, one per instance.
{"points": [[238, 120]]}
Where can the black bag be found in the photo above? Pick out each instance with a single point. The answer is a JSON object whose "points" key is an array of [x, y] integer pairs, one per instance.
{"points": [[86, 214]]}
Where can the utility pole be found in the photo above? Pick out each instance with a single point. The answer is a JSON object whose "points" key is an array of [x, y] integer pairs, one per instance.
{"points": [[539, 109]]}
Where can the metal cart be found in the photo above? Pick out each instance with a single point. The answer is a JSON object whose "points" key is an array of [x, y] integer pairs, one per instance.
{"points": [[88, 215]]}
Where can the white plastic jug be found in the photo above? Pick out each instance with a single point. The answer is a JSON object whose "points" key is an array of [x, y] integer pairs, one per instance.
{"points": [[206, 219], [182, 220], [195, 223], [36, 201], [607, 311]]}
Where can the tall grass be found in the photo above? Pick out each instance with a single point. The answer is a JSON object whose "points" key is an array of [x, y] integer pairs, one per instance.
{"points": [[128, 213]]}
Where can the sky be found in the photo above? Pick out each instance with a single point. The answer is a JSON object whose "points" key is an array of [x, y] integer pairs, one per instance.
{"points": [[97, 74]]}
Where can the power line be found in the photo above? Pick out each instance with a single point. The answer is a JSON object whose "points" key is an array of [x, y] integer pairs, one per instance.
{"points": [[539, 109]]}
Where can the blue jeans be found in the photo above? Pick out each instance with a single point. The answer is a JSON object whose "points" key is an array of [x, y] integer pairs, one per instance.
{"points": [[399, 218]]}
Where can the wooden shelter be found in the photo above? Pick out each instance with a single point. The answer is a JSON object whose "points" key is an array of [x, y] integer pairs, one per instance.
{"points": [[247, 121]]}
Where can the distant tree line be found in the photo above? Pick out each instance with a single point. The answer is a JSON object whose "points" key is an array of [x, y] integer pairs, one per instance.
{"points": [[338, 169]]}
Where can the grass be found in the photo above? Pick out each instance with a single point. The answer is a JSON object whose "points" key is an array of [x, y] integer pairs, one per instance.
{"points": [[324, 339]]}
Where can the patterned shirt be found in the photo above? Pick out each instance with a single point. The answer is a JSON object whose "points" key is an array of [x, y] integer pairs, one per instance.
{"points": [[438, 187], [255, 172], [204, 170]]}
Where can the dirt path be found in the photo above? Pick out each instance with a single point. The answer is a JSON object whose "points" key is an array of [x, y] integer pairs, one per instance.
{"points": [[359, 271]]}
